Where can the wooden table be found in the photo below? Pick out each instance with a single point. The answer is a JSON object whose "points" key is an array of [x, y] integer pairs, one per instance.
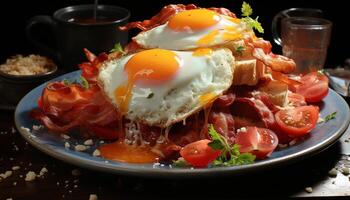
{"points": [[60, 183]]}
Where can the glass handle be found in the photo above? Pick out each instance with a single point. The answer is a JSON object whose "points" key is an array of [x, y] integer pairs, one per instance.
{"points": [[275, 23]]}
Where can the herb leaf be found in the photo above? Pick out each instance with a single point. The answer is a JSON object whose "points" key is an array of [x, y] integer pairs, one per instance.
{"points": [[67, 82], [246, 9], [253, 23], [84, 83], [330, 116], [180, 163], [117, 48], [230, 155], [240, 50], [150, 95]]}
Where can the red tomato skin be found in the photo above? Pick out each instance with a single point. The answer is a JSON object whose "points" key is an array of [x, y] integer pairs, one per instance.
{"points": [[259, 141], [199, 154], [295, 131], [314, 87]]}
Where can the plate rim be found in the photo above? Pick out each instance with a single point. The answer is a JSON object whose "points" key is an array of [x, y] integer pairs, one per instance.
{"points": [[141, 171]]}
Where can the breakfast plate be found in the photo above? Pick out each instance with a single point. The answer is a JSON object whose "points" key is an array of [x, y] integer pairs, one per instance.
{"points": [[324, 135]]}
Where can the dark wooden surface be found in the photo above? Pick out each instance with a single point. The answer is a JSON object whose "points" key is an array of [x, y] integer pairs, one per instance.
{"points": [[59, 183]]}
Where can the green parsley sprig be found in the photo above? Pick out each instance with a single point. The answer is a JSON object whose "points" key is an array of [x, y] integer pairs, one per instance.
{"points": [[230, 155], [330, 116], [253, 23], [117, 48], [240, 50]]}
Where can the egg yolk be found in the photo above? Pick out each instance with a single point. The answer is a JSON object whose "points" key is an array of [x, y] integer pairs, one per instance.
{"points": [[149, 66], [202, 52], [195, 19]]}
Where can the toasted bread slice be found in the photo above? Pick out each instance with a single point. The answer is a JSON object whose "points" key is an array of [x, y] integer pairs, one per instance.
{"points": [[277, 91], [248, 72]]}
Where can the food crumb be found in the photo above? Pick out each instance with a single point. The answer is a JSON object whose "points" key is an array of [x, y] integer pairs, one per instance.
{"points": [[293, 142], [80, 147], [30, 176], [93, 197], [13, 130], [345, 171], [9, 199], [76, 172], [58, 183], [14, 183], [333, 172], [64, 136], [66, 145], [6, 174], [42, 171], [96, 153], [88, 142], [75, 186], [308, 189], [14, 168], [37, 127]]}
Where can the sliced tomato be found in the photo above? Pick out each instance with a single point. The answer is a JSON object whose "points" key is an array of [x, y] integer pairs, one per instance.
{"points": [[297, 121], [199, 154], [259, 141], [314, 87], [296, 100]]}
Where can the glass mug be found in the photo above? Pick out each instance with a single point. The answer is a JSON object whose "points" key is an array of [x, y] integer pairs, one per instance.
{"points": [[305, 37]]}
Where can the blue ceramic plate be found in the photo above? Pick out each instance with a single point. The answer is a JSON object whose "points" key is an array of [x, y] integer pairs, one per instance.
{"points": [[319, 139]]}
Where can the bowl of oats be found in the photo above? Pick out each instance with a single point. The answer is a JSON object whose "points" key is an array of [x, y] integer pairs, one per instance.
{"points": [[20, 74]]}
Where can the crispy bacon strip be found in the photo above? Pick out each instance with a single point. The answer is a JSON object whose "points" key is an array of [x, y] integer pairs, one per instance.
{"points": [[263, 112], [90, 69], [164, 15], [62, 107]]}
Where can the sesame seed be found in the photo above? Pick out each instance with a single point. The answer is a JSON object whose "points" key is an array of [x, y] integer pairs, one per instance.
{"points": [[80, 147], [93, 197], [345, 171], [96, 153], [333, 172], [64, 136], [308, 189], [88, 142], [30, 176]]}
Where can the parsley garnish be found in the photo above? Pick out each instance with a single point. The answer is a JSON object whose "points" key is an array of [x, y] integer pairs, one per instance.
{"points": [[330, 116], [230, 155], [84, 83], [150, 95], [253, 23], [67, 82], [180, 163], [240, 50], [117, 48], [246, 9]]}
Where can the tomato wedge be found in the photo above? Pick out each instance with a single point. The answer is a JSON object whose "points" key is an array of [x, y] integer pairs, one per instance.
{"points": [[199, 154], [259, 141], [314, 87], [297, 121]]}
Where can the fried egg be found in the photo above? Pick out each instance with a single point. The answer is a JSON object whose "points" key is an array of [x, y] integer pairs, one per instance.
{"points": [[159, 87], [193, 29]]}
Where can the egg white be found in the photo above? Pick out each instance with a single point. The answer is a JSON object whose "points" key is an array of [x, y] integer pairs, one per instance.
{"points": [[164, 37], [173, 100]]}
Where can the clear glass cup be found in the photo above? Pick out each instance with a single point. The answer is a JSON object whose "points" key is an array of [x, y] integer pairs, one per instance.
{"points": [[304, 38]]}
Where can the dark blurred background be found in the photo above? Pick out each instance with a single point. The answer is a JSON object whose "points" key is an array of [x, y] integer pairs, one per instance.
{"points": [[16, 13]]}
